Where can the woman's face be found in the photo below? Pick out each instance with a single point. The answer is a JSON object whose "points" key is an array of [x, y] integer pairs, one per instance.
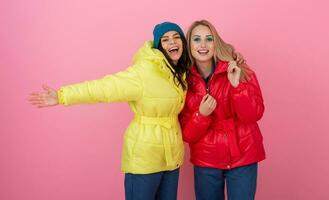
{"points": [[202, 44], [172, 43]]}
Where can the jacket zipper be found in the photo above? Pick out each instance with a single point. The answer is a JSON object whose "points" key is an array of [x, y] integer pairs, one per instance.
{"points": [[208, 84]]}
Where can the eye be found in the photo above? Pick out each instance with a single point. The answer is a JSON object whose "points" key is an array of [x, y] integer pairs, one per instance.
{"points": [[196, 39], [164, 40], [210, 39]]}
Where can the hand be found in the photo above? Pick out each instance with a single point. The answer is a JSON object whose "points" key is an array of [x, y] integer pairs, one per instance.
{"points": [[207, 105], [239, 58], [44, 99], [233, 73]]}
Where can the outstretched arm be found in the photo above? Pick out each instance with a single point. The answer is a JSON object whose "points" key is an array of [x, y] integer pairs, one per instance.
{"points": [[123, 86]]}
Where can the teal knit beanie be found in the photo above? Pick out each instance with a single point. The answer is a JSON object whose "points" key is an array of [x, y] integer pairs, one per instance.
{"points": [[161, 29]]}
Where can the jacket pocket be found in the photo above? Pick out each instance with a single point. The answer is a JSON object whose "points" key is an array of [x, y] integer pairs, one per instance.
{"points": [[210, 153]]}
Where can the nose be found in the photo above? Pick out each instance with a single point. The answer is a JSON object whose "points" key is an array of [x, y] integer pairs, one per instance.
{"points": [[203, 43], [171, 41]]}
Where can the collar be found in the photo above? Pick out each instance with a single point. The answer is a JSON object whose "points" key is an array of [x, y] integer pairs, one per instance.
{"points": [[221, 67]]}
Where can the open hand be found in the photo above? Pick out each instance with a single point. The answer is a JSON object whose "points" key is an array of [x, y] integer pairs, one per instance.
{"points": [[44, 99]]}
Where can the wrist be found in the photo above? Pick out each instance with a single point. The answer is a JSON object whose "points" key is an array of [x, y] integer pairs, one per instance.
{"points": [[199, 113], [236, 84], [198, 118]]}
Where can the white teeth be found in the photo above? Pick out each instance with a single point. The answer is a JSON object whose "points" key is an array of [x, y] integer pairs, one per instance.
{"points": [[173, 49], [203, 51]]}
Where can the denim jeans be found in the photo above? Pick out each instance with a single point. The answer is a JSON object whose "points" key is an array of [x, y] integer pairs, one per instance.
{"points": [[240, 183], [155, 186]]}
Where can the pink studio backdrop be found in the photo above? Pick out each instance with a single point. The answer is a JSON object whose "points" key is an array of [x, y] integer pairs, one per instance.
{"points": [[73, 153]]}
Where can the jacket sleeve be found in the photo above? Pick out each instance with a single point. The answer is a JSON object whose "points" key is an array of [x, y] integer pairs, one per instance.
{"points": [[247, 100], [126, 85], [194, 125]]}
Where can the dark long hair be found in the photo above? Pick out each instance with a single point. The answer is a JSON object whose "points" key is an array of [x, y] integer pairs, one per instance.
{"points": [[182, 66]]}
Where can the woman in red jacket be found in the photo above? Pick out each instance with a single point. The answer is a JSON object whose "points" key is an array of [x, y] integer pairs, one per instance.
{"points": [[219, 120]]}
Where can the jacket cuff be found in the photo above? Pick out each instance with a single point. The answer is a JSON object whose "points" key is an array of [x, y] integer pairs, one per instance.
{"points": [[60, 96], [200, 119], [241, 88]]}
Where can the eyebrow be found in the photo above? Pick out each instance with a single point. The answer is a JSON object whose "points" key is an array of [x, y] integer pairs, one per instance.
{"points": [[168, 36], [200, 36]]}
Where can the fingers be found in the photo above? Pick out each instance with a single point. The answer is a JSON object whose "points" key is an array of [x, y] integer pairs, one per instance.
{"points": [[232, 63], [204, 98], [231, 66], [230, 69], [241, 61], [239, 58], [35, 93], [48, 89], [211, 102], [213, 105], [38, 95], [38, 103], [208, 105], [208, 100], [34, 96], [38, 99]]}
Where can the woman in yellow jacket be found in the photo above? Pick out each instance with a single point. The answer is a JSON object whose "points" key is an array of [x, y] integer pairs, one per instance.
{"points": [[155, 88]]}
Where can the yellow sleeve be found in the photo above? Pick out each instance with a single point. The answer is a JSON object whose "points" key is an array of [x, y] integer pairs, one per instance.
{"points": [[123, 86]]}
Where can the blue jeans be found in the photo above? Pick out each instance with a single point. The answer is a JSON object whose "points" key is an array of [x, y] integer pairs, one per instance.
{"points": [[210, 183], [155, 186]]}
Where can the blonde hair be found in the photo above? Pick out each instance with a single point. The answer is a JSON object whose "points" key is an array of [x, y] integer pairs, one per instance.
{"points": [[223, 51]]}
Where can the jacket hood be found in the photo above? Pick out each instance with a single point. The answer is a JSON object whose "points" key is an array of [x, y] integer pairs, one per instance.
{"points": [[147, 52]]}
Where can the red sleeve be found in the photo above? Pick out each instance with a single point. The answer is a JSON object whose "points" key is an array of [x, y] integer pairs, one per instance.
{"points": [[194, 125], [247, 100]]}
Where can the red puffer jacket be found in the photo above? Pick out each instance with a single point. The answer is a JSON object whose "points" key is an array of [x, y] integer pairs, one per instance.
{"points": [[230, 136]]}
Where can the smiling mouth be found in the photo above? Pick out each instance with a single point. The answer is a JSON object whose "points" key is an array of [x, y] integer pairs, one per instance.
{"points": [[173, 49], [203, 52]]}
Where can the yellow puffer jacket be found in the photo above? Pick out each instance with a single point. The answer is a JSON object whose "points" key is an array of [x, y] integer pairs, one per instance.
{"points": [[153, 140]]}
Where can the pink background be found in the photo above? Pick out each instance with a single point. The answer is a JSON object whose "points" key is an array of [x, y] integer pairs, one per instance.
{"points": [[74, 153]]}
